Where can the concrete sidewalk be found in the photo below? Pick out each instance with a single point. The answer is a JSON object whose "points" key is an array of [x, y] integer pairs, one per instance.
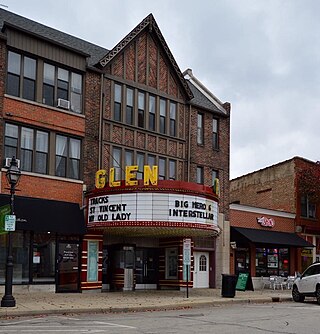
{"points": [[44, 303]]}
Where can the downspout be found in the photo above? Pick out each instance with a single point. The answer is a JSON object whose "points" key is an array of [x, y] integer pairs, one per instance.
{"points": [[100, 121], [189, 146]]}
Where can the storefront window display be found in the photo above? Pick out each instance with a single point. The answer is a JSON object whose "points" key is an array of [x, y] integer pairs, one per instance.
{"points": [[172, 263], [20, 252], [272, 261]]}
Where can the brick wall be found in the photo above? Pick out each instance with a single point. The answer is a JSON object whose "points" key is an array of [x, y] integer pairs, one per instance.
{"points": [[271, 188], [246, 219]]}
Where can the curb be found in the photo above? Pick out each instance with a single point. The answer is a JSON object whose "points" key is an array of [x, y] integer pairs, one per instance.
{"points": [[69, 311]]}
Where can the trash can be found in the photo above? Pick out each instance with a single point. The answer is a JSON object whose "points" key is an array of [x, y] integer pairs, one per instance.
{"points": [[228, 285]]}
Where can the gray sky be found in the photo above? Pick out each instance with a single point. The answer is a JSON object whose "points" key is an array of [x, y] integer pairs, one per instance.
{"points": [[261, 56]]}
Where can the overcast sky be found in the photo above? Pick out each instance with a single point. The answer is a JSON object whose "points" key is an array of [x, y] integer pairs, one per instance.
{"points": [[261, 56]]}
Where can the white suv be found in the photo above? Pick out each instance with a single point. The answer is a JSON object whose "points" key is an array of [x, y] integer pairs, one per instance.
{"points": [[307, 284]]}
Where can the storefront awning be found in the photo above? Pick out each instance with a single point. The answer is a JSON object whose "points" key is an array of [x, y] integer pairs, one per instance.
{"points": [[241, 234], [42, 215]]}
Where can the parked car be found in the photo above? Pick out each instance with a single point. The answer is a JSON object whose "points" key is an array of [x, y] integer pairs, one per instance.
{"points": [[307, 284]]}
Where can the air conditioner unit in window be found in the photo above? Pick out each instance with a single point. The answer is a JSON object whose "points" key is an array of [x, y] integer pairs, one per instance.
{"points": [[65, 104], [8, 161]]}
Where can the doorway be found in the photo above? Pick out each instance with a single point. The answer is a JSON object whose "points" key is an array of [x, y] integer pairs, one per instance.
{"points": [[201, 270], [67, 270], [146, 264]]}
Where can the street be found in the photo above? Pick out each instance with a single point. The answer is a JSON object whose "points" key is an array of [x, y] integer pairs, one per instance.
{"points": [[289, 318]]}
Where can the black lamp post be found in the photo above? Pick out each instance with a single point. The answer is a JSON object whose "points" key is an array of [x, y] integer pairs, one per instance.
{"points": [[13, 175]]}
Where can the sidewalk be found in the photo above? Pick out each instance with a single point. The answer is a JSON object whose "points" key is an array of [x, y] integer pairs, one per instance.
{"points": [[44, 303]]}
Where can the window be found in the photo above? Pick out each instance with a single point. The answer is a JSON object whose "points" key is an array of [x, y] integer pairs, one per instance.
{"points": [[214, 175], [173, 115], [162, 124], [162, 169], [141, 98], [117, 102], [28, 145], [76, 92], [215, 141], [21, 80], [172, 170], [129, 107], [116, 162], [308, 209], [203, 263], [128, 158], [152, 113], [151, 160], [140, 163], [200, 129], [67, 157], [200, 176], [59, 83], [48, 84]]}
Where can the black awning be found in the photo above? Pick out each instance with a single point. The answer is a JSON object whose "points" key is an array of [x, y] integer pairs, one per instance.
{"points": [[241, 234], [43, 215]]}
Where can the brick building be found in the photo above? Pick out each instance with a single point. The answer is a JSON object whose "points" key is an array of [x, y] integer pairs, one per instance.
{"points": [[69, 108], [274, 196]]}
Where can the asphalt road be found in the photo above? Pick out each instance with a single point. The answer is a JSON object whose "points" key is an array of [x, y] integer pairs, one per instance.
{"points": [[289, 318]]}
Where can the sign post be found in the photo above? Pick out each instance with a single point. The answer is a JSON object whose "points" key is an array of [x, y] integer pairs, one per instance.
{"points": [[187, 259]]}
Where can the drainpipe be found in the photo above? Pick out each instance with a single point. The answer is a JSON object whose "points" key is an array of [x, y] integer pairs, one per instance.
{"points": [[100, 122], [189, 146]]}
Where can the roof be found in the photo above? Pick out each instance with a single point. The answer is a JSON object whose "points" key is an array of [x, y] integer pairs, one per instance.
{"points": [[202, 96], [95, 52], [239, 234], [148, 23]]}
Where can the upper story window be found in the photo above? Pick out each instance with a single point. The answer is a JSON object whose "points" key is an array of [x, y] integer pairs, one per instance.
{"points": [[29, 145], [308, 209], [129, 107], [116, 162], [141, 103], [62, 88], [140, 163], [172, 170], [58, 87], [152, 113], [200, 175], [163, 118], [21, 80], [200, 130], [128, 158], [68, 157], [144, 110], [214, 175], [215, 141], [162, 169], [173, 115]]}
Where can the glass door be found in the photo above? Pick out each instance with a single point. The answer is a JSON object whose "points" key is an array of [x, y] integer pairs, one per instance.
{"points": [[68, 264], [146, 264]]}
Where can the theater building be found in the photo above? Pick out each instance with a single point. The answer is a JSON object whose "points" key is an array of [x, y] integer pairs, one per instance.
{"points": [[77, 116]]}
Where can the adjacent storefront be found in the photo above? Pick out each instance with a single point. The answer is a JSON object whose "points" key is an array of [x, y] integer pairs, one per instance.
{"points": [[264, 242], [46, 243]]}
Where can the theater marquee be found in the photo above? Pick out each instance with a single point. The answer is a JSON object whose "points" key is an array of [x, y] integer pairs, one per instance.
{"points": [[160, 208]]}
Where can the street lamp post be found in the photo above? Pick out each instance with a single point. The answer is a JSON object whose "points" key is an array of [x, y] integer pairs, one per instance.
{"points": [[13, 175]]}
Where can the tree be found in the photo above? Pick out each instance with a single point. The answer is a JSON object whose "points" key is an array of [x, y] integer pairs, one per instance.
{"points": [[309, 182]]}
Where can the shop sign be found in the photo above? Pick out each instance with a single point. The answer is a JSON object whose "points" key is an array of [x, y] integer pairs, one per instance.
{"points": [[152, 207], [150, 176], [266, 222]]}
